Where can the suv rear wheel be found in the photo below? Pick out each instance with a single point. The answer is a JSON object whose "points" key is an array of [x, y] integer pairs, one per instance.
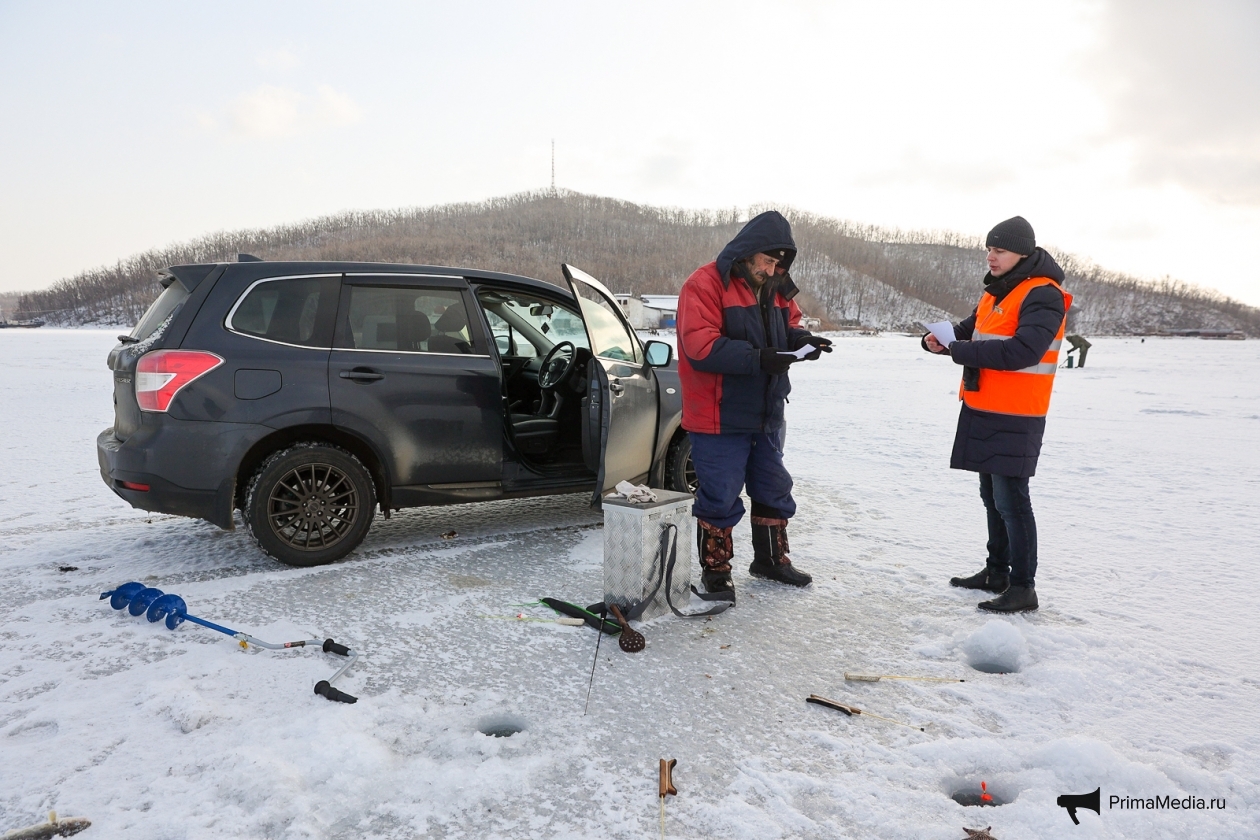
{"points": [[310, 504]]}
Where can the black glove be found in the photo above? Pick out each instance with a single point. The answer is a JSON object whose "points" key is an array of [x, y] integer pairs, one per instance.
{"points": [[775, 362], [823, 345]]}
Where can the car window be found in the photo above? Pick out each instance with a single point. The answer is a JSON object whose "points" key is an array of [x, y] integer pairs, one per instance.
{"points": [[509, 342], [171, 298], [285, 310], [407, 319], [608, 333], [527, 325]]}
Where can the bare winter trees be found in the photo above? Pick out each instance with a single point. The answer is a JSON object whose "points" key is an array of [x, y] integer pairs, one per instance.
{"points": [[850, 273]]}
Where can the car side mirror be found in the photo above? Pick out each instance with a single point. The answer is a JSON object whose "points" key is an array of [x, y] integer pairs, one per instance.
{"points": [[659, 354]]}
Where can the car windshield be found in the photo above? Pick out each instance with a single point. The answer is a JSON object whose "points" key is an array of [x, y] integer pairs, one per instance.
{"points": [[529, 326]]}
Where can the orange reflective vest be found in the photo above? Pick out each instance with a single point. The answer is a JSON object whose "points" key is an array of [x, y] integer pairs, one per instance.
{"points": [[1022, 392]]}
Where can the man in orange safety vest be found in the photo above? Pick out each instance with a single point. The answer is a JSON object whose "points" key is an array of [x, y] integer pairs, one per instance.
{"points": [[1009, 350]]}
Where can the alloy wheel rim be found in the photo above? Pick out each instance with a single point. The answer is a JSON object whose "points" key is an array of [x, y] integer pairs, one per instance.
{"points": [[312, 507]]}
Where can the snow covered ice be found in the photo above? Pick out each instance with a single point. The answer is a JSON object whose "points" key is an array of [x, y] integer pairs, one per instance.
{"points": [[1140, 675]]}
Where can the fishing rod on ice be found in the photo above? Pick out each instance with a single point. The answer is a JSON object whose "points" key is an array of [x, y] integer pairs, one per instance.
{"points": [[851, 677], [666, 787], [851, 711], [598, 638], [156, 605]]}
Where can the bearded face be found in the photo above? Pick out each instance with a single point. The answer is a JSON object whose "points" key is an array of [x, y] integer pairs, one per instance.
{"points": [[760, 268]]}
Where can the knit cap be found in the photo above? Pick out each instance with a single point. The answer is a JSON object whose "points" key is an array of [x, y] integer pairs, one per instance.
{"points": [[1014, 234]]}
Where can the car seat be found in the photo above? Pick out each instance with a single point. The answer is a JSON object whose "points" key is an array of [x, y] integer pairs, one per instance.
{"points": [[380, 332], [453, 320]]}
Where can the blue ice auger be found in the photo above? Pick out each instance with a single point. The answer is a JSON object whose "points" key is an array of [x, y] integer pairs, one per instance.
{"points": [[156, 605]]}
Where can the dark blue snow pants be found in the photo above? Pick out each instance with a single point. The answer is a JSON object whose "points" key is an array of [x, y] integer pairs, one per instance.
{"points": [[726, 463], [1012, 528]]}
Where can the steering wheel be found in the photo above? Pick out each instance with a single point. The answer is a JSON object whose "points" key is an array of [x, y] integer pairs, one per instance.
{"points": [[556, 368]]}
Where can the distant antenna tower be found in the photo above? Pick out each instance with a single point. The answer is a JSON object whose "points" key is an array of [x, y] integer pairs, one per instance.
{"points": [[553, 166]]}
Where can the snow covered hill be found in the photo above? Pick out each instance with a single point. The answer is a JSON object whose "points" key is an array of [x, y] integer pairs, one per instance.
{"points": [[885, 279]]}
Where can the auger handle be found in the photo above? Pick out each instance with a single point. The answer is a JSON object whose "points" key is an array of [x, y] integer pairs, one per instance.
{"points": [[332, 647], [324, 688]]}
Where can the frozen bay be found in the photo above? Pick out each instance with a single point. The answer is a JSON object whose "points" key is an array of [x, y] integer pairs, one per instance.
{"points": [[1140, 675]]}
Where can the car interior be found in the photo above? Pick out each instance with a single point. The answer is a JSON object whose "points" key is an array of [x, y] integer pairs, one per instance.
{"points": [[545, 353]]}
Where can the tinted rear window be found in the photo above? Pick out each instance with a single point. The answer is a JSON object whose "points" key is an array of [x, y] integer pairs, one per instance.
{"points": [[161, 309], [293, 311], [407, 319]]}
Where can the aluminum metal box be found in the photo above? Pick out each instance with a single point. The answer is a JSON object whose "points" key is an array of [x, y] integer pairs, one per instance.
{"points": [[632, 544]]}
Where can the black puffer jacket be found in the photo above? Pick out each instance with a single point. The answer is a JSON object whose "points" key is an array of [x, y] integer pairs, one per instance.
{"points": [[1005, 444]]}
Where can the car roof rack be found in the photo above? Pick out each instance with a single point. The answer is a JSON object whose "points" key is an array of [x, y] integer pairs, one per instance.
{"points": [[240, 258]]}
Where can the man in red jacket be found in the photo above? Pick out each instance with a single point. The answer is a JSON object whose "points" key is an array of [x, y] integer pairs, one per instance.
{"points": [[737, 326]]}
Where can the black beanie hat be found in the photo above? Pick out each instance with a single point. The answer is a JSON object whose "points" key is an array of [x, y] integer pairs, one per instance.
{"points": [[1015, 235]]}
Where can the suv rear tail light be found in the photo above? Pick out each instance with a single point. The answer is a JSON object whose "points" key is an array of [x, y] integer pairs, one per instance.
{"points": [[161, 374]]}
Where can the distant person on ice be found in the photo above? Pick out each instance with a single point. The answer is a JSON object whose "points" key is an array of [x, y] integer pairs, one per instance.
{"points": [[1009, 349], [735, 316]]}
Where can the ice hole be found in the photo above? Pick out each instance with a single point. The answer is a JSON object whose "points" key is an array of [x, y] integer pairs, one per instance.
{"points": [[969, 794], [996, 648], [501, 727]]}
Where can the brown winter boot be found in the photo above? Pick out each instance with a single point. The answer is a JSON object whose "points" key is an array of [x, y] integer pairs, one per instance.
{"points": [[770, 553], [716, 552]]}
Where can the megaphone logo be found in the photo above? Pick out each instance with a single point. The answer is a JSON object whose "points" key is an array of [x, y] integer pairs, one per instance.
{"points": [[1072, 801]]}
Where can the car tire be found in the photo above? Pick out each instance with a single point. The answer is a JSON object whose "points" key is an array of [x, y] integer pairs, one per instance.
{"points": [[680, 473], [310, 504]]}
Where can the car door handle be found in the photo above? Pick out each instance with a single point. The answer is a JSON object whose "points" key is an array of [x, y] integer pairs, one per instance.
{"points": [[616, 387], [361, 375]]}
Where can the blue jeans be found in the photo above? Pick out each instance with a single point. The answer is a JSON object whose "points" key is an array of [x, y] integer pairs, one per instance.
{"points": [[1012, 528], [726, 463]]}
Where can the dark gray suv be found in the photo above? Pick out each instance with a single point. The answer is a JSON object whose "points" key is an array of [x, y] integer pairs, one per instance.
{"points": [[305, 394]]}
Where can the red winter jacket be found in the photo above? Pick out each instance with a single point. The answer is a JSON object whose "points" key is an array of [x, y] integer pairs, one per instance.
{"points": [[721, 331]]}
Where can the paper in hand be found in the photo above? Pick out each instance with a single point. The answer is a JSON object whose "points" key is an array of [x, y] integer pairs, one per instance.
{"points": [[801, 353], [943, 330]]}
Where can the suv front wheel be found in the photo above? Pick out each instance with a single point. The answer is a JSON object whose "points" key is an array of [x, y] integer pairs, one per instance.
{"points": [[680, 472], [310, 504]]}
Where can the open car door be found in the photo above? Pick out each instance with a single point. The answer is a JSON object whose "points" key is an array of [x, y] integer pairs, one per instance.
{"points": [[621, 403]]}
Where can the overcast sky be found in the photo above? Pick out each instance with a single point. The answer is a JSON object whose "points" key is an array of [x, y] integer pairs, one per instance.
{"points": [[1126, 131]]}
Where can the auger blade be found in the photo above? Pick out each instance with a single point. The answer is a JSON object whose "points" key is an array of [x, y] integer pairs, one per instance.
{"points": [[141, 600], [121, 597], [171, 607]]}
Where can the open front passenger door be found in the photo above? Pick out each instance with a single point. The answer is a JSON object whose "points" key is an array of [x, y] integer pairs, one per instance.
{"points": [[621, 403]]}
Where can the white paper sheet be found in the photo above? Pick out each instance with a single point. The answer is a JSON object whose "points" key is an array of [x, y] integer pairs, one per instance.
{"points": [[801, 353], [943, 330]]}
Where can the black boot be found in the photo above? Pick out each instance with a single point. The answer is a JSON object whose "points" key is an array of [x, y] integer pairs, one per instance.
{"points": [[986, 579], [770, 553], [1014, 599], [715, 550]]}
